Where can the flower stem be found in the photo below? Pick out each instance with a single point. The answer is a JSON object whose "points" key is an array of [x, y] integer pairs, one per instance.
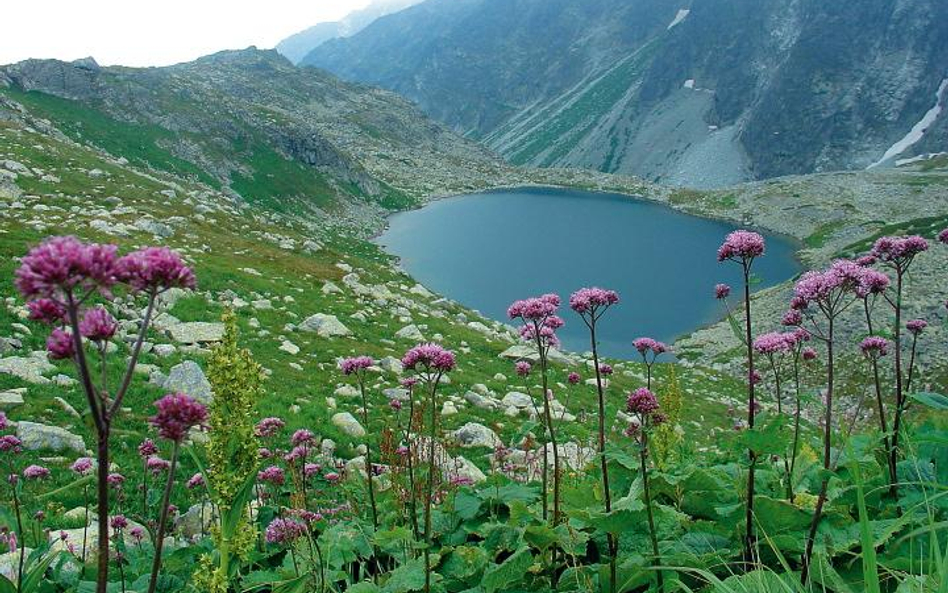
{"points": [[163, 521]]}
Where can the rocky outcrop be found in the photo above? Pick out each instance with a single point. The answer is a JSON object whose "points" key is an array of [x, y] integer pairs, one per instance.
{"points": [[41, 437]]}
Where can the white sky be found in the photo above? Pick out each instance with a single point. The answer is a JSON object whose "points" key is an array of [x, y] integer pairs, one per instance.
{"points": [[153, 32]]}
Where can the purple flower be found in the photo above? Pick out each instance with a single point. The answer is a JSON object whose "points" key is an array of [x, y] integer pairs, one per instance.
{"points": [[47, 311], [311, 469], [429, 357], [350, 366], [590, 300], [722, 291], [943, 237], [9, 444], [97, 325], [195, 481], [523, 368], [871, 282], [82, 466], [65, 264], [646, 345], [824, 285], [118, 522], [60, 345], [157, 465], [177, 414], [899, 250], [298, 452], [395, 405], [272, 475], [137, 533], [36, 472], [809, 354], [874, 347], [147, 448], [573, 378], [332, 477], [774, 343], [916, 326], [284, 531], [409, 382], [302, 437], [269, 427], [741, 245], [792, 318], [641, 402], [535, 308], [866, 260], [116, 480], [155, 268], [605, 369], [4, 421]]}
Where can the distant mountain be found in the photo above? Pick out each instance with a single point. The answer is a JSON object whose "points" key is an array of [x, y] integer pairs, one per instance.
{"points": [[697, 92], [251, 123], [295, 47]]}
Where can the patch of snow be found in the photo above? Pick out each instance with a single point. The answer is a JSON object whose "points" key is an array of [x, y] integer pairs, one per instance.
{"points": [[919, 158], [918, 130], [689, 84], [682, 15]]}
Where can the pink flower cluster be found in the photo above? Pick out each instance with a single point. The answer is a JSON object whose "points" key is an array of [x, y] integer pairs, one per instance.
{"points": [[147, 448], [82, 466], [60, 345], [647, 345], [874, 347], [350, 366], [642, 402], [36, 472], [66, 264], [429, 357], [269, 427], [916, 326], [284, 531], [177, 414], [534, 309], [590, 300], [899, 250], [97, 325], [155, 268], [722, 291], [775, 342], [156, 465], [824, 286], [523, 368], [741, 245], [573, 378], [272, 475]]}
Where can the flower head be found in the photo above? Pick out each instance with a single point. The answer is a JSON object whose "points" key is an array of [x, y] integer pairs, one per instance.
{"points": [[591, 300], [195, 481], [36, 472], [115, 480], [350, 366], [177, 414], [4, 421], [284, 531], [269, 427], [97, 325], [65, 264], [642, 402], [60, 345], [916, 326], [741, 245], [874, 347], [429, 357], [9, 444], [605, 369], [899, 251], [809, 354], [82, 466], [395, 405], [943, 237], [147, 448], [118, 522], [523, 368], [47, 311], [535, 308], [302, 436], [573, 378], [649, 345], [272, 475], [409, 382], [774, 343], [722, 291], [155, 268], [871, 282], [157, 465], [793, 317], [822, 286]]}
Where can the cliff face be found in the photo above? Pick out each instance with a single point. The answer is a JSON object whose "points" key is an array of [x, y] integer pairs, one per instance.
{"points": [[701, 92]]}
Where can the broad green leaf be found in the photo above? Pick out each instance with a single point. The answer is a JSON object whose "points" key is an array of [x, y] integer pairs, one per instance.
{"points": [[467, 505], [364, 587], [932, 400], [500, 576], [407, 577], [464, 562]]}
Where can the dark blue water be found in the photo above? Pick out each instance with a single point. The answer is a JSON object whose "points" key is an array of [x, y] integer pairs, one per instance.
{"points": [[486, 250]]}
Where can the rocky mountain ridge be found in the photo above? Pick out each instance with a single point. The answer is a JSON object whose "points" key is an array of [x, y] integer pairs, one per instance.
{"points": [[691, 92]]}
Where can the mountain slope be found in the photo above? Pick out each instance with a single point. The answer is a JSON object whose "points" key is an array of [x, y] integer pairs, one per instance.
{"points": [[252, 123], [698, 92], [295, 47]]}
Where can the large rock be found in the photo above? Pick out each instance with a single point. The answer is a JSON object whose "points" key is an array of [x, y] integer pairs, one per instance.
{"points": [[325, 326], [473, 434], [12, 398], [29, 368], [10, 564], [196, 521], [529, 352], [41, 437], [188, 378], [347, 423], [480, 401], [410, 333], [74, 538], [517, 400], [197, 332], [462, 469]]}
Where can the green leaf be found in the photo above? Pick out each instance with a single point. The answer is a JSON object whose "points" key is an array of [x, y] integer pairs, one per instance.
{"points": [[464, 562], [364, 587], [36, 571], [932, 400], [540, 537], [407, 577], [6, 586], [467, 505], [500, 576]]}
